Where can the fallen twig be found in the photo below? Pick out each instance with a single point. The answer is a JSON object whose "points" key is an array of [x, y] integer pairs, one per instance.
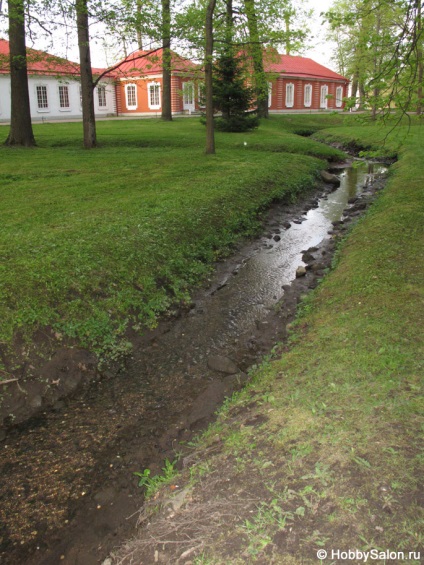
{"points": [[6, 382]]}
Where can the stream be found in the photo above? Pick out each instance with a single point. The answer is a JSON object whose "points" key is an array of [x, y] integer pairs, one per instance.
{"points": [[68, 492]]}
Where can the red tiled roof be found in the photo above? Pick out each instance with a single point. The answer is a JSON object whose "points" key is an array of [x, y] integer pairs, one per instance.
{"points": [[142, 63], [303, 67], [40, 62]]}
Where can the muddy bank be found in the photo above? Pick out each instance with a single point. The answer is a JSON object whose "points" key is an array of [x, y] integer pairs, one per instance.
{"points": [[68, 490]]}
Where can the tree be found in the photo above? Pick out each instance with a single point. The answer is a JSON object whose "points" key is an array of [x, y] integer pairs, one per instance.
{"points": [[382, 51], [231, 93], [87, 87], [20, 132], [210, 133], [232, 97], [419, 50], [166, 61], [261, 85]]}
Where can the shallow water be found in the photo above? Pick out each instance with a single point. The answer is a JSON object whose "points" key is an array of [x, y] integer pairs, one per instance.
{"points": [[247, 296]]}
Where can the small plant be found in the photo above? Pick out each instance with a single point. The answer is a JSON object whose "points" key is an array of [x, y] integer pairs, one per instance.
{"points": [[152, 484]]}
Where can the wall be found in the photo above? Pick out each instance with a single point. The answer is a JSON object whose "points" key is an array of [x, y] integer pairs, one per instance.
{"points": [[143, 108], [278, 98], [54, 111]]}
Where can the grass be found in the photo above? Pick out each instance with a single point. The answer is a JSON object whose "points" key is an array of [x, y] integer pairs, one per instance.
{"points": [[95, 242], [337, 461]]}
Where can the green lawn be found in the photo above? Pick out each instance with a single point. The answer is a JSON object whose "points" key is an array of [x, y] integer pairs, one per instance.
{"points": [[92, 241]]}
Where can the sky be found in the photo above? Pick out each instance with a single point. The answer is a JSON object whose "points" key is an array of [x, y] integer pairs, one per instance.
{"points": [[322, 50]]}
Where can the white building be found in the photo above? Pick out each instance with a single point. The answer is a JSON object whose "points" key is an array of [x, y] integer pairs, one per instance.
{"points": [[54, 88]]}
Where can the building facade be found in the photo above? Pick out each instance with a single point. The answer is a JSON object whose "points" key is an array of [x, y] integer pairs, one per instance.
{"points": [[301, 84], [134, 86], [54, 88], [139, 81]]}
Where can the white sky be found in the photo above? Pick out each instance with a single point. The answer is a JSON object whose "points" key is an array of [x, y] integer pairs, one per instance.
{"points": [[322, 50]]}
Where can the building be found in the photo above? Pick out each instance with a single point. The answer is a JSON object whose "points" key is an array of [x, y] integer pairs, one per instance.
{"points": [[139, 81], [134, 86], [301, 84], [54, 87]]}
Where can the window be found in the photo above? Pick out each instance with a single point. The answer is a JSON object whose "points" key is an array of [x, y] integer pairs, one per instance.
{"points": [[101, 96], [154, 95], [323, 99], [339, 96], [188, 93], [308, 95], [289, 95], [42, 100], [64, 98], [131, 96]]}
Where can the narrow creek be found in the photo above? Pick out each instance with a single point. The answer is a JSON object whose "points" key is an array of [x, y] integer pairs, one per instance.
{"points": [[68, 493]]}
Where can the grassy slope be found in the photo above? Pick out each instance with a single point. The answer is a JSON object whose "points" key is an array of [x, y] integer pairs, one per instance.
{"points": [[324, 450], [90, 238]]}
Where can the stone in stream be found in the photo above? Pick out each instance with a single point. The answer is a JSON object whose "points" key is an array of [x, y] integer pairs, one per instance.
{"points": [[222, 364], [330, 178], [300, 272], [318, 267]]}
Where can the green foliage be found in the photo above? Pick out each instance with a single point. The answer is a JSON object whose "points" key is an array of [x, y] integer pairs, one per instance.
{"points": [[239, 123], [232, 97], [380, 48], [153, 484]]}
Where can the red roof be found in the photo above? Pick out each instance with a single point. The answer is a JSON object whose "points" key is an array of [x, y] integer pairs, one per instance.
{"points": [[40, 62], [142, 63], [303, 67]]}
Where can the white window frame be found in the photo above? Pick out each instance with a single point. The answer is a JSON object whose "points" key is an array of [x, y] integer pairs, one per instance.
{"points": [[188, 88], [101, 97], [65, 89], [289, 95], [323, 104], [269, 94], [339, 96], [130, 86], [46, 90], [154, 85], [307, 101]]}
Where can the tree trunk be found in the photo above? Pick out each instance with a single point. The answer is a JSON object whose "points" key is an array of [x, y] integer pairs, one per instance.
{"points": [[261, 80], [20, 132], [228, 47], [210, 130], [138, 26], [376, 89], [87, 88], [288, 31], [166, 61], [362, 95], [354, 87], [419, 60]]}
